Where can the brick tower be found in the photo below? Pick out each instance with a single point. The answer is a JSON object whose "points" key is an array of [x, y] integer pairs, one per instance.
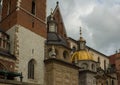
{"points": [[25, 22], [30, 14]]}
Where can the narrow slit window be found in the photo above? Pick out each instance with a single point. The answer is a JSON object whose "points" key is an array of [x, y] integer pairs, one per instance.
{"points": [[8, 7], [104, 64], [33, 7], [0, 42]]}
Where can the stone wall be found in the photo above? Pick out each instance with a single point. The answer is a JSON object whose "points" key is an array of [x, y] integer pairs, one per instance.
{"points": [[102, 58], [87, 78], [60, 73], [27, 45]]}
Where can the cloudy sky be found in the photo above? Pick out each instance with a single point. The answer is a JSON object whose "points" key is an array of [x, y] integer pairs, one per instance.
{"points": [[99, 19]]}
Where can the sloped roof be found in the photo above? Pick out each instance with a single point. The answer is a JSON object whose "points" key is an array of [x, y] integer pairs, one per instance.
{"points": [[58, 17], [55, 39], [59, 37], [90, 48]]}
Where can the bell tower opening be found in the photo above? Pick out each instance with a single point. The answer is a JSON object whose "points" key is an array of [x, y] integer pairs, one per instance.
{"points": [[51, 23]]}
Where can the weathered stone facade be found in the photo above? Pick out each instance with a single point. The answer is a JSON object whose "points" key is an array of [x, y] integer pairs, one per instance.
{"points": [[87, 78], [59, 72], [30, 46], [104, 60]]}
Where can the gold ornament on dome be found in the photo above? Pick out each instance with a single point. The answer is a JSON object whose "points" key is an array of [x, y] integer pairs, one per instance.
{"points": [[82, 54]]}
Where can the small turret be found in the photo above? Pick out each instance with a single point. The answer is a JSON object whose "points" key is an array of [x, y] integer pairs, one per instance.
{"points": [[82, 53], [52, 25]]}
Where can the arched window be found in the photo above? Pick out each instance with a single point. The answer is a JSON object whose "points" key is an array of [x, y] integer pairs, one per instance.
{"points": [[104, 64], [8, 7], [85, 66], [112, 82], [107, 82], [93, 67], [65, 54], [31, 69], [73, 49], [33, 7], [98, 59]]}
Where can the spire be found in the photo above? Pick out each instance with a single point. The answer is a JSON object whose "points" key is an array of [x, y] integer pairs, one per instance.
{"points": [[80, 32], [81, 38], [82, 41], [51, 14]]}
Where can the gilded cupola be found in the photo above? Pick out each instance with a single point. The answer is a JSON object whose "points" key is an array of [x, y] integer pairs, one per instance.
{"points": [[82, 53]]}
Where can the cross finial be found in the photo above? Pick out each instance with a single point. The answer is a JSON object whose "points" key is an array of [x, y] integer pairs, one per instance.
{"points": [[80, 32], [57, 2]]}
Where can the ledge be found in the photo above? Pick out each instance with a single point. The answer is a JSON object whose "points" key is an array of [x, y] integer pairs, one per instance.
{"points": [[62, 62]]}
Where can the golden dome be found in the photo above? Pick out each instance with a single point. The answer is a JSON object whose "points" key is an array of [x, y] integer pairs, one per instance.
{"points": [[82, 55]]}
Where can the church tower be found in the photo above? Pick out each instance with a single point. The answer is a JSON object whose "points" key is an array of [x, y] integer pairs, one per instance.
{"points": [[25, 22], [30, 14]]}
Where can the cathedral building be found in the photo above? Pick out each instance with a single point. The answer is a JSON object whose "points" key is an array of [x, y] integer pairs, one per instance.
{"points": [[35, 49]]}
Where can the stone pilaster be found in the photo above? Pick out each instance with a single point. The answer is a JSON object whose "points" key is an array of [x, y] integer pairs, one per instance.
{"points": [[16, 47]]}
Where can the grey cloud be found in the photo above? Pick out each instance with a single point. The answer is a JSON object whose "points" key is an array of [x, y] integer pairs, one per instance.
{"points": [[105, 28], [100, 27]]}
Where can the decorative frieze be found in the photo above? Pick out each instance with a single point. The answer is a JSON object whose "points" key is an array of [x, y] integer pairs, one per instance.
{"points": [[18, 5]]}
